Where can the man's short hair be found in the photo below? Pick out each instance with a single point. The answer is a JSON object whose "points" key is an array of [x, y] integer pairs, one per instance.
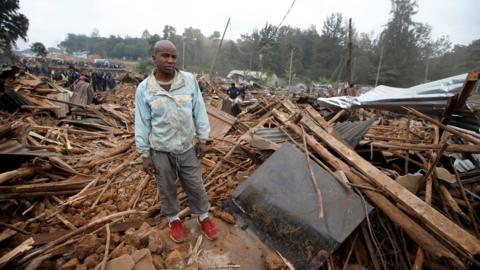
{"points": [[163, 43]]}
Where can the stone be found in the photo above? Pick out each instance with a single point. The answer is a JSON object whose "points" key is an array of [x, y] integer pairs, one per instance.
{"points": [[145, 226], [121, 250], [139, 254], [87, 246], [107, 196], [92, 261], [124, 262], [34, 227], [227, 217], [115, 237], [274, 262], [143, 260], [155, 242], [81, 267], [70, 265], [122, 206], [158, 262], [138, 240], [173, 259], [46, 265]]}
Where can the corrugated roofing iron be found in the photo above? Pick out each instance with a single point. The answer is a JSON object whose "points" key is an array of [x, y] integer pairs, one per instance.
{"points": [[352, 132]]}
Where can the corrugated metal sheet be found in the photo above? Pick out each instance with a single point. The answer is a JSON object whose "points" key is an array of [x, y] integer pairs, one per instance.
{"points": [[275, 135], [352, 132], [11, 100], [13, 147]]}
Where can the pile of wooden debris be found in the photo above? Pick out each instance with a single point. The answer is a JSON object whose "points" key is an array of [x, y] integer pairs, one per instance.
{"points": [[73, 194]]}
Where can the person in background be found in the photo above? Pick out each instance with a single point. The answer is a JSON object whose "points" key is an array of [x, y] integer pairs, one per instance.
{"points": [[233, 93], [111, 82]]}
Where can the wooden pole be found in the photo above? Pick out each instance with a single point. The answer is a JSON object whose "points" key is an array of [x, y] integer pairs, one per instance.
{"points": [[212, 68], [290, 69], [349, 60], [379, 66]]}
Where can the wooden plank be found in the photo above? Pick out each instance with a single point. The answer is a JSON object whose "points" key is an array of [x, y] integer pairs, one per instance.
{"points": [[453, 148], [221, 115], [289, 105], [414, 230], [317, 116], [23, 172], [447, 128], [467, 89], [334, 119], [24, 246], [63, 109], [17, 195], [31, 83], [421, 210], [220, 122], [43, 238]]}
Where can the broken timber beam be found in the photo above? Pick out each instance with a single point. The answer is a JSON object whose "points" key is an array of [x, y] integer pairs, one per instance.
{"points": [[447, 128], [437, 222], [415, 231], [23, 172], [24, 246], [318, 117], [455, 148], [468, 87]]}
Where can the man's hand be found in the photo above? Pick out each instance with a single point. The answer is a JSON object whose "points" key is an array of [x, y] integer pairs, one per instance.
{"points": [[148, 165], [201, 149]]}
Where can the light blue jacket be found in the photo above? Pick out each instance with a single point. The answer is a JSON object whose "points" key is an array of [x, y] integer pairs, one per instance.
{"points": [[166, 121]]}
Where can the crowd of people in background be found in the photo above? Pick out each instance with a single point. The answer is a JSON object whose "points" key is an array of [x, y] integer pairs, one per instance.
{"points": [[100, 80], [84, 64]]}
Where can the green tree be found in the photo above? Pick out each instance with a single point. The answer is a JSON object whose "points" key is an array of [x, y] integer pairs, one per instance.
{"points": [[330, 49], [95, 33], [169, 32], [13, 25], [405, 44], [151, 42], [39, 49], [146, 34]]}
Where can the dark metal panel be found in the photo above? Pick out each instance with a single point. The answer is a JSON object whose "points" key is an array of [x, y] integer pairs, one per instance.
{"points": [[279, 204]]}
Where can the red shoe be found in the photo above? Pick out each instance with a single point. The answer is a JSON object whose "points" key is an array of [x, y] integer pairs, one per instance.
{"points": [[208, 228], [177, 231]]}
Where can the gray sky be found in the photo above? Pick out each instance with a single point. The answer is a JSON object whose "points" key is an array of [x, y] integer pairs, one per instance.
{"points": [[51, 20]]}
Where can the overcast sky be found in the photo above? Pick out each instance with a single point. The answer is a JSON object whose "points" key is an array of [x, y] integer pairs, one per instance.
{"points": [[51, 20]]}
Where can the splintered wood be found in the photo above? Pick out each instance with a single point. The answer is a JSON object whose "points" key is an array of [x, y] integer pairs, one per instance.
{"points": [[74, 196]]}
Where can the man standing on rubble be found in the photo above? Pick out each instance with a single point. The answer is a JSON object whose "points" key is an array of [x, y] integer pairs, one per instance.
{"points": [[169, 111]]}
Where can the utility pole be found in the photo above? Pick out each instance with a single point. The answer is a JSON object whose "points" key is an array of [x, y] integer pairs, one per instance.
{"points": [[183, 54], [290, 70], [218, 49], [379, 66], [426, 71], [349, 60]]}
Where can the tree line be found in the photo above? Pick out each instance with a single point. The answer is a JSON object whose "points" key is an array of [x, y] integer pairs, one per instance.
{"points": [[403, 54]]}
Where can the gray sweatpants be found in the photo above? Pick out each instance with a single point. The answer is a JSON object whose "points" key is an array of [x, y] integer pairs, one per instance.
{"points": [[169, 166]]}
